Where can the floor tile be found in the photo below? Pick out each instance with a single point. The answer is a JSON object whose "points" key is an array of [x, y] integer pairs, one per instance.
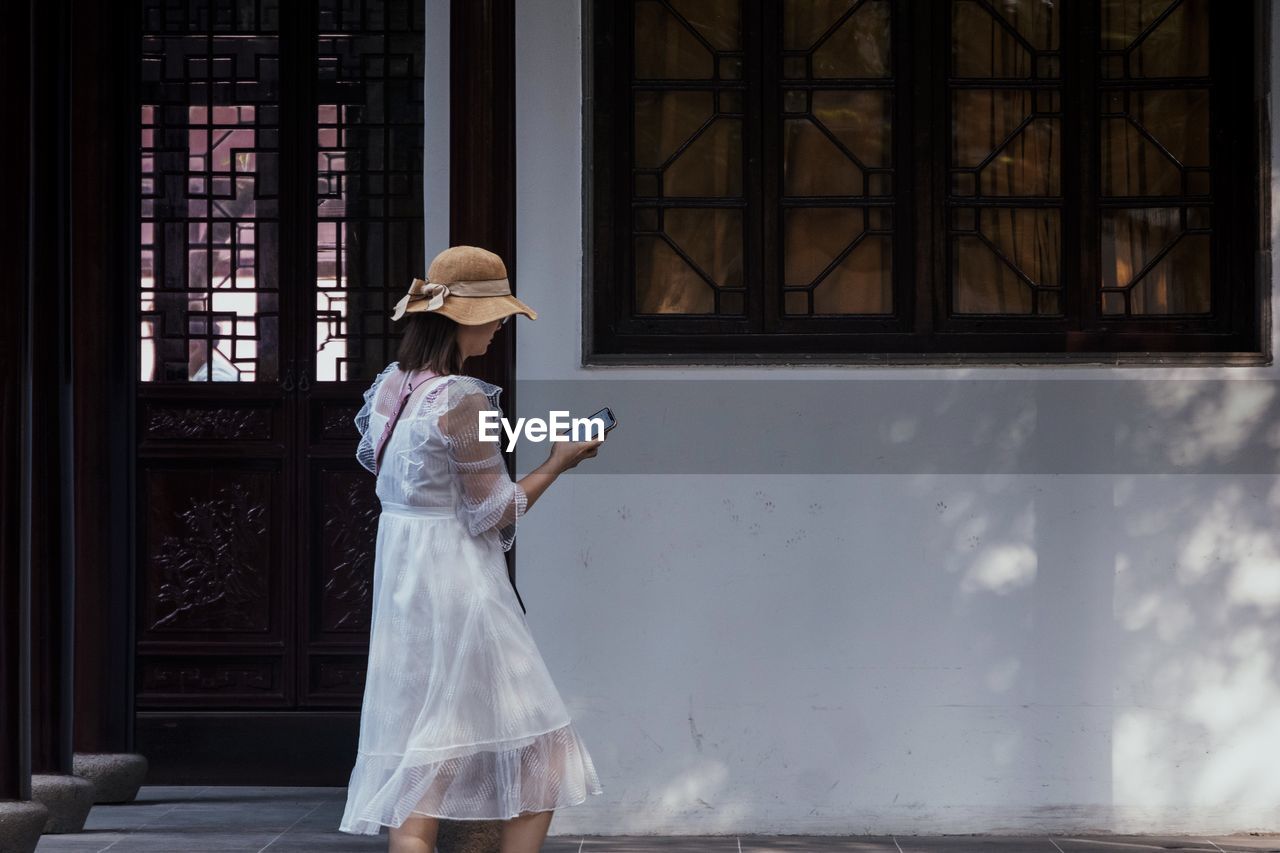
{"points": [[1171, 843], [247, 819]]}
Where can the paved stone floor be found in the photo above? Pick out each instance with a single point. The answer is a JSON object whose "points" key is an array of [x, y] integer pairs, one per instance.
{"points": [[251, 820]]}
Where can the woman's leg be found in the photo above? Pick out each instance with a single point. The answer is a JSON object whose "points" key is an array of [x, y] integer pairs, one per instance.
{"points": [[525, 833], [415, 835]]}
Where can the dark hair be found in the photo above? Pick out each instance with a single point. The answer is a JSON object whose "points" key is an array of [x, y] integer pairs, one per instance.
{"points": [[431, 341]]}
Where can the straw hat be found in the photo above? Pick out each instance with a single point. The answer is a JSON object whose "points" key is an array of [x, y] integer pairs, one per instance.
{"points": [[466, 284]]}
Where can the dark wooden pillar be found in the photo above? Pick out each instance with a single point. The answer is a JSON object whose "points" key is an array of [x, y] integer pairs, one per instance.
{"points": [[482, 163], [482, 154], [15, 757], [49, 350], [102, 224]]}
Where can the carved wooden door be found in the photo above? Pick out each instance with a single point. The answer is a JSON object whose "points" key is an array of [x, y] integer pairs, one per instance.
{"points": [[280, 213]]}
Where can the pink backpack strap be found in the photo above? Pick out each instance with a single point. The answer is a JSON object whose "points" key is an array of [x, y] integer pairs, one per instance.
{"points": [[411, 382]]}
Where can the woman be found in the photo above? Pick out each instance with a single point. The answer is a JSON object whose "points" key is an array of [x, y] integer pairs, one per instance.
{"points": [[461, 719]]}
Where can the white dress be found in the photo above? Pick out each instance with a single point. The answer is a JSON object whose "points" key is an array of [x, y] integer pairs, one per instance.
{"points": [[460, 719]]}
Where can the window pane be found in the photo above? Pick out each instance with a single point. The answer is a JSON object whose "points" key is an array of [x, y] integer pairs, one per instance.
{"points": [[1004, 38], [695, 260], [837, 147], [840, 137], [1006, 144], [1155, 144], [841, 38], [667, 120], [1010, 147], [685, 41], [710, 164], [837, 255], [1155, 38], [210, 173], [1005, 256], [717, 21], [1151, 264]]}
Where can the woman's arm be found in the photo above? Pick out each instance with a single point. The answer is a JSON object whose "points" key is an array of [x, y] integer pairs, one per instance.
{"points": [[564, 455], [490, 499]]}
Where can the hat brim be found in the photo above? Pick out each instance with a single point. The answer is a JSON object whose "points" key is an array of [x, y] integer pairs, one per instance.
{"points": [[477, 310]]}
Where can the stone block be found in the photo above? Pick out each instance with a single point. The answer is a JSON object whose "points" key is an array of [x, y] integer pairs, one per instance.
{"points": [[116, 776], [68, 799], [21, 822]]}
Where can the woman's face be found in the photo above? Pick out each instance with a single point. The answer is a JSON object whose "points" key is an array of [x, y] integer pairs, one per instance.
{"points": [[474, 340]]}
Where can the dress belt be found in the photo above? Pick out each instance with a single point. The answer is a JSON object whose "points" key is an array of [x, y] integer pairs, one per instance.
{"points": [[437, 512], [418, 511]]}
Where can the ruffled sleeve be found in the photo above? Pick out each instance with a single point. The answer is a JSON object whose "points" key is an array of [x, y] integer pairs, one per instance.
{"points": [[371, 419], [489, 498]]}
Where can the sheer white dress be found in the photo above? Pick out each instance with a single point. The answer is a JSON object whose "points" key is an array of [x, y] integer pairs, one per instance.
{"points": [[460, 719]]}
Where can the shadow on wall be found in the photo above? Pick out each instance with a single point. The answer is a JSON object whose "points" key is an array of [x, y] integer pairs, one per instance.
{"points": [[1063, 594]]}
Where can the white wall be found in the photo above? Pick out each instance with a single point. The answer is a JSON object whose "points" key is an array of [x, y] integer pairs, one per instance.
{"points": [[931, 648], [435, 140]]}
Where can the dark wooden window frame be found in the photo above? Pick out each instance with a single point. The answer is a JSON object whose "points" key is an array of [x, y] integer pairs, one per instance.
{"points": [[1238, 334]]}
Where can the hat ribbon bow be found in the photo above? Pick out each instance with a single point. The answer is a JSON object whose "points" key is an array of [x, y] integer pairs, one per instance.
{"points": [[432, 291], [435, 292]]}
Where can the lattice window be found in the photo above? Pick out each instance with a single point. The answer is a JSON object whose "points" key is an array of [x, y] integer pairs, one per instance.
{"points": [[232, 232], [210, 212], [369, 174], [1157, 184], [900, 176], [1006, 189], [837, 158], [688, 160]]}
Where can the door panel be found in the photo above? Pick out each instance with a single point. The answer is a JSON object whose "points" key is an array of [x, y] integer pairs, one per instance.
{"points": [[280, 207], [343, 525], [213, 543], [210, 553], [341, 519], [368, 246]]}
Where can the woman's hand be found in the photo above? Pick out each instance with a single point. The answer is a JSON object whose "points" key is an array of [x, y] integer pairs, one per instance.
{"points": [[567, 454], [564, 455]]}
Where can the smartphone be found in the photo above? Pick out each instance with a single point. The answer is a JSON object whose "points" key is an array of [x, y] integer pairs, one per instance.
{"points": [[606, 415]]}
